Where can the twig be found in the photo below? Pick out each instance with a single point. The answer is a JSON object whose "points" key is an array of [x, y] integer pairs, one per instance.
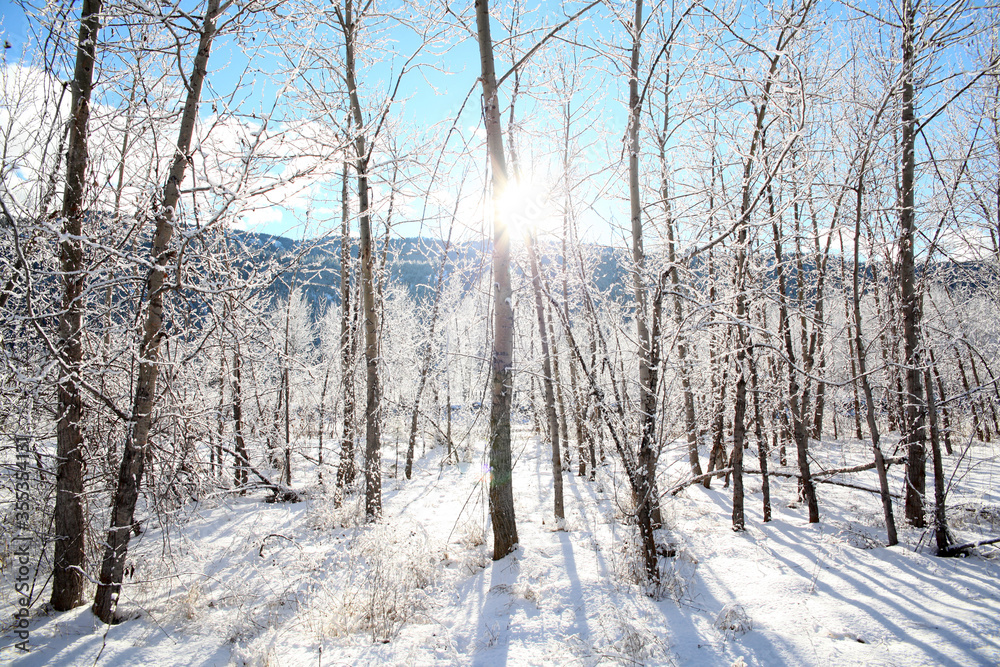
{"points": [[264, 542]]}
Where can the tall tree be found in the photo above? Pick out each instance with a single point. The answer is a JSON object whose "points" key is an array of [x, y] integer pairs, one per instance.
{"points": [[502, 358], [135, 451], [646, 502], [910, 297], [70, 527], [349, 24]]}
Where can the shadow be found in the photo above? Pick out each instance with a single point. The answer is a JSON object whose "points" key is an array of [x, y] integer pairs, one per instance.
{"points": [[492, 645], [876, 591]]}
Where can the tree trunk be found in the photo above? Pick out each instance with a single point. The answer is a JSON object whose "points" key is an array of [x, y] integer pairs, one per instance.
{"points": [[69, 554], [557, 384], [286, 388], [647, 370], [501, 483], [373, 391], [945, 417], [135, 452], [241, 461], [346, 469], [759, 435], [914, 433], [859, 347], [942, 536], [550, 400], [322, 423]]}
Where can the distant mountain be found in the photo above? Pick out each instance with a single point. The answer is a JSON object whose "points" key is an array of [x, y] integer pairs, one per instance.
{"points": [[411, 262], [414, 263]]}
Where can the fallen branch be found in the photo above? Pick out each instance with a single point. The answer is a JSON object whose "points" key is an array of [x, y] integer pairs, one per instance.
{"points": [[281, 492], [860, 468], [696, 480], [723, 471], [956, 549]]}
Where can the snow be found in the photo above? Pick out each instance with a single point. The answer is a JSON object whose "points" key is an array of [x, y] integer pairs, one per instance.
{"points": [[239, 581]]}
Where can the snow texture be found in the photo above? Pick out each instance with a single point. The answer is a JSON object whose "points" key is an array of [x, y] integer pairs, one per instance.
{"points": [[239, 581]]}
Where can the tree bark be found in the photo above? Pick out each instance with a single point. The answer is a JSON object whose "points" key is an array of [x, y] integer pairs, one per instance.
{"points": [[502, 360], [373, 390], [137, 440], [550, 401], [346, 469], [69, 554], [914, 432]]}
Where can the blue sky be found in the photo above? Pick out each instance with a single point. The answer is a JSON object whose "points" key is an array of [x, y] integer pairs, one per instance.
{"points": [[427, 103]]}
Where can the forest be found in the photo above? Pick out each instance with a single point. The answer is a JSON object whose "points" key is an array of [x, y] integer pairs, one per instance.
{"points": [[533, 333]]}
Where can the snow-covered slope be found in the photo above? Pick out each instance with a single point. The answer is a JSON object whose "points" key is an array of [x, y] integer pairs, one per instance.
{"points": [[240, 581]]}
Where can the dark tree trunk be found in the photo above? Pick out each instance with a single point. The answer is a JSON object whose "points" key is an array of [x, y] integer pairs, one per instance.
{"points": [[942, 536], [914, 433], [137, 440], [346, 469], [69, 555]]}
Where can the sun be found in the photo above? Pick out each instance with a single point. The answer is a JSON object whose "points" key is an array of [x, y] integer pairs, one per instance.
{"points": [[526, 206]]}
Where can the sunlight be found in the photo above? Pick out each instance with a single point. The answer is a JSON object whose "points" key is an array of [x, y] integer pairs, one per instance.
{"points": [[527, 207]]}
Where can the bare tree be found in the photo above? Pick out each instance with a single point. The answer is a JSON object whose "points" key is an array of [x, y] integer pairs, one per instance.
{"points": [[135, 451], [70, 526], [502, 358]]}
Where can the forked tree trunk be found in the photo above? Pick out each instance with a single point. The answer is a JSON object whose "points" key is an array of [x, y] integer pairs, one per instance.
{"points": [[373, 390], [69, 524], [135, 452]]}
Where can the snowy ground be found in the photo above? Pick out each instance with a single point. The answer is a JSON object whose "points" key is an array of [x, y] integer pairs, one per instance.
{"points": [[239, 581]]}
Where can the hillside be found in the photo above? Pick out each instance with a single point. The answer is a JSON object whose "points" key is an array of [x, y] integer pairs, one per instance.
{"points": [[238, 581]]}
